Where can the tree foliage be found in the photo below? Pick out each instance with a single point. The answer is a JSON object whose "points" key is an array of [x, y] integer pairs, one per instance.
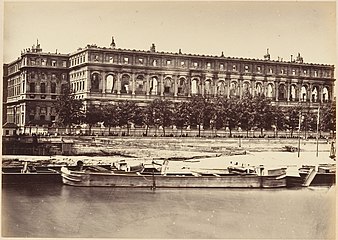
{"points": [[69, 110]]}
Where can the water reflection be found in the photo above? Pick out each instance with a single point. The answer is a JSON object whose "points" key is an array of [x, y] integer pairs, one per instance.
{"points": [[64, 211]]}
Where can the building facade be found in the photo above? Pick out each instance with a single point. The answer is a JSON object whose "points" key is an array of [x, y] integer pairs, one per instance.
{"points": [[109, 74]]}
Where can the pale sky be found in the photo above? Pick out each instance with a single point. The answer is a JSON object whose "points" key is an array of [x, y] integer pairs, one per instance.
{"points": [[239, 29]]}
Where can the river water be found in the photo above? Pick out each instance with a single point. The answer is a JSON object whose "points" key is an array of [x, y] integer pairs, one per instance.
{"points": [[65, 211]]}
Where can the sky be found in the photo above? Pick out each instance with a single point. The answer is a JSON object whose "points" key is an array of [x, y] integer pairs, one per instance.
{"points": [[239, 29]]}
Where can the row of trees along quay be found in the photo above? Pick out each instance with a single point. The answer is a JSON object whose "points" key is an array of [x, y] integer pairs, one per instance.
{"points": [[227, 114]]}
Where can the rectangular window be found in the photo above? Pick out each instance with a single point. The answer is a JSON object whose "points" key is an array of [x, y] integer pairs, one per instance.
{"points": [[126, 60], [111, 59], [140, 60], [221, 66], [316, 74], [168, 62], [259, 69], [154, 63], [208, 65], [43, 62], [64, 63], [32, 87], [53, 63], [195, 64], [293, 72], [43, 87], [182, 63]]}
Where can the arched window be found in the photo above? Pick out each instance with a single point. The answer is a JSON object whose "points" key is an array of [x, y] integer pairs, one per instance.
{"points": [[153, 86], [194, 87], [325, 94], [125, 84], [207, 88], [139, 84], [304, 94], [233, 89], [259, 89], [167, 85], [182, 86], [314, 94], [246, 88], [281, 92], [269, 93], [95, 82], [293, 93], [110, 84], [220, 88]]}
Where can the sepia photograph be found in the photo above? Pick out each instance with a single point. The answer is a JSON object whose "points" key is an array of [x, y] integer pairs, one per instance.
{"points": [[169, 119]]}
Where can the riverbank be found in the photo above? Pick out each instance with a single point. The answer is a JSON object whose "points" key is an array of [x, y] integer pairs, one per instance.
{"points": [[193, 152]]}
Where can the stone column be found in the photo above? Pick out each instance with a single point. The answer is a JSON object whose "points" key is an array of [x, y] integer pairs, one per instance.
{"points": [[253, 89], [288, 91], [48, 113], [213, 88], [118, 82], [300, 92], [161, 85], [175, 78], [133, 84], [320, 93], [228, 93], [310, 92], [189, 86], [103, 82], [240, 88], [89, 83], [276, 90], [147, 85]]}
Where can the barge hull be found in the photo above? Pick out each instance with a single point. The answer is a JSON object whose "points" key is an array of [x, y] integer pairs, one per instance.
{"points": [[173, 181]]}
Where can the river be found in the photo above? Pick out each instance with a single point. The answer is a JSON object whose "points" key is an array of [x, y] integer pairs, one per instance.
{"points": [[64, 211]]}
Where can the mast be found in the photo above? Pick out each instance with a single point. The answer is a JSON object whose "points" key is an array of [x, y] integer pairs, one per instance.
{"points": [[317, 138], [300, 118]]}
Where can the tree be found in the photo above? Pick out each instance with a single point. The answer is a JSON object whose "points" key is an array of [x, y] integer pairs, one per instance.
{"points": [[110, 116], [328, 117], [147, 117], [278, 118], [292, 118], [232, 114], [126, 112], [69, 109], [197, 106], [263, 117], [93, 115], [162, 113], [248, 112], [181, 113]]}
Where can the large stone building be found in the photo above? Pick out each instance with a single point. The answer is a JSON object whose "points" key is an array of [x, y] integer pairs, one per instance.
{"points": [[109, 74]]}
